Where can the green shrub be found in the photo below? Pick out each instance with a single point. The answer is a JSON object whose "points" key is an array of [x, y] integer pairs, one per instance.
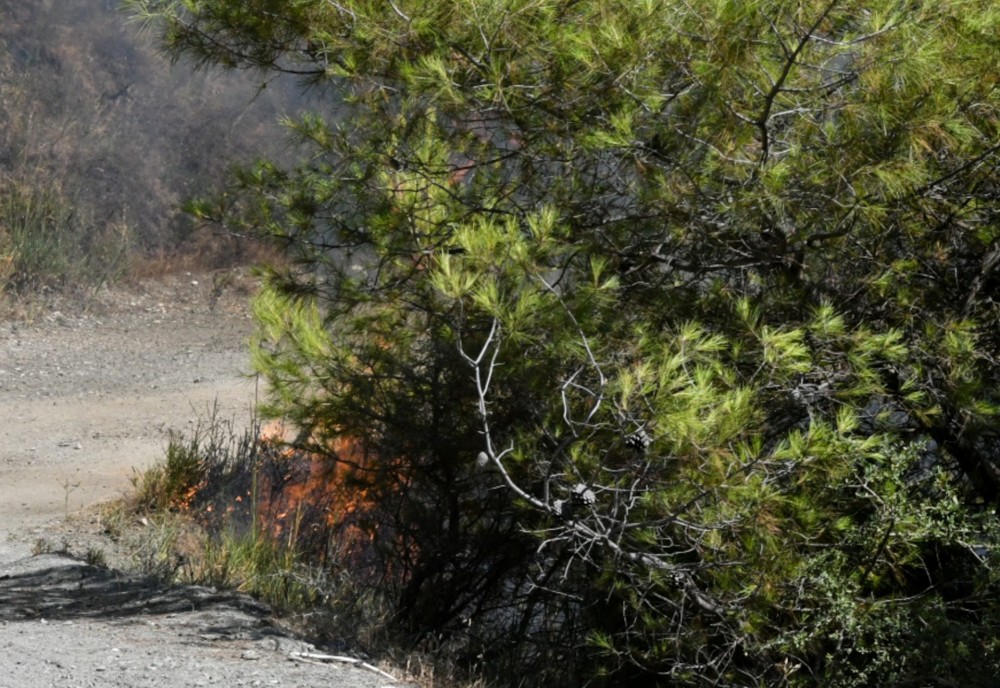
{"points": [[37, 232], [172, 484], [45, 244]]}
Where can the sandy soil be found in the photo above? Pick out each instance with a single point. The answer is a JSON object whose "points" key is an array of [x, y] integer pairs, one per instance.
{"points": [[88, 395]]}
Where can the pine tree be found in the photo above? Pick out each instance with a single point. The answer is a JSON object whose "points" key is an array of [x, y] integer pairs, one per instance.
{"points": [[668, 329]]}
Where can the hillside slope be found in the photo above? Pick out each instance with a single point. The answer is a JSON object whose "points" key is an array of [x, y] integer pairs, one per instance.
{"points": [[88, 106]]}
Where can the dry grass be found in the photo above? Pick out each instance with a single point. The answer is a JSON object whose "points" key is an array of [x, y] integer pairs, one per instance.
{"points": [[91, 113], [214, 535], [46, 244], [203, 252]]}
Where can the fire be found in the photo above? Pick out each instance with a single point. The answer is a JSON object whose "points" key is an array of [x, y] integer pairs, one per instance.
{"points": [[306, 496], [316, 496]]}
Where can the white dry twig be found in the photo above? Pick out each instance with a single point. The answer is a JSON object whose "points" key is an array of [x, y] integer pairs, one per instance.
{"points": [[320, 658]]}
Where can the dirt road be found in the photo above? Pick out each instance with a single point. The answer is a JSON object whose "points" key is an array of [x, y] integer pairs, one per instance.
{"points": [[87, 397]]}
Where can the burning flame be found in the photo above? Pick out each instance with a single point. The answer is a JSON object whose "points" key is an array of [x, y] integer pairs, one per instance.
{"points": [[308, 495], [315, 496]]}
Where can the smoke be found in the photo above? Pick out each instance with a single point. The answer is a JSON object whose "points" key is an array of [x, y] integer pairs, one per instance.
{"points": [[89, 106]]}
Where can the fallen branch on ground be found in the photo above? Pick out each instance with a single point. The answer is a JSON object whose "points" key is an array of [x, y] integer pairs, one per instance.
{"points": [[319, 658]]}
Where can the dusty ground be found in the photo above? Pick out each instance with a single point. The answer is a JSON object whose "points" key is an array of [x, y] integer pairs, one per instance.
{"points": [[88, 395]]}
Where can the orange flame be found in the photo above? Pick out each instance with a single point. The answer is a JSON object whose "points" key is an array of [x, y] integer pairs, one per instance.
{"points": [[316, 501], [311, 493]]}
